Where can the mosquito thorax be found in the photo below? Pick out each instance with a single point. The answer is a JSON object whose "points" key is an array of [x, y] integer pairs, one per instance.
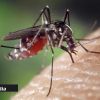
{"points": [[61, 26], [59, 23]]}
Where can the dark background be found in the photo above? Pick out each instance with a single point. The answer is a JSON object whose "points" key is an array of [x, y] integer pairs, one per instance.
{"points": [[87, 10], [19, 14]]}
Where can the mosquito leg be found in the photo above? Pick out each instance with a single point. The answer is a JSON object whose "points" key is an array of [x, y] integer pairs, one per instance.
{"points": [[67, 17], [51, 71], [44, 19], [49, 15], [87, 49], [65, 49], [3, 46], [51, 47], [48, 19], [92, 39], [42, 12], [36, 36], [61, 40], [39, 16]]}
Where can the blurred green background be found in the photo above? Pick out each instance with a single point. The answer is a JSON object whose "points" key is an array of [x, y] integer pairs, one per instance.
{"points": [[19, 14]]}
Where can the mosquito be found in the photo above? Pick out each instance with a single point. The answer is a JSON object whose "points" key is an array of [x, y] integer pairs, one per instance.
{"points": [[54, 33]]}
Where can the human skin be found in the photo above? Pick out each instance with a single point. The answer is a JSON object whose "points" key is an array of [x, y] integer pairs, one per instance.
{"points": [[71, 81]]}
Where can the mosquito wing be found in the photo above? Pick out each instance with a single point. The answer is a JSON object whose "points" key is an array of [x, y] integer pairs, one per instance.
{"points": [[22, 33]]}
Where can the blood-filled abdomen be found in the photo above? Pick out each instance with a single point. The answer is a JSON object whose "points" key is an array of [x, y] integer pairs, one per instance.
{"points": [[27, 48]]}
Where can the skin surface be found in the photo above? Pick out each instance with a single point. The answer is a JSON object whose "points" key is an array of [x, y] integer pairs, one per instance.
{"points": [[71, 81]]}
